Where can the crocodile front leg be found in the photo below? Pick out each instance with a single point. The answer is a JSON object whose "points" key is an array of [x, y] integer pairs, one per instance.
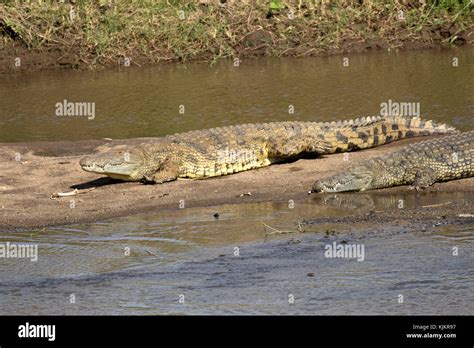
{"points": [[168, 171], [424, 178]]}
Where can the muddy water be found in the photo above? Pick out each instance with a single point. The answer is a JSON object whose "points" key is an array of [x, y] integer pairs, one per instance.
{"points": [[237, 264], [147, 102], [228, 264]]}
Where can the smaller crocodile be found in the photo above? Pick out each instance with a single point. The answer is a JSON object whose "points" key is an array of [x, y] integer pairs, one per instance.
{"points": [[420, 165]]}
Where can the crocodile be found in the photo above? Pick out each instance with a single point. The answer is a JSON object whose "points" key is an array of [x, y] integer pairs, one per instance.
{"points": [[420, 165], [226, 150]]}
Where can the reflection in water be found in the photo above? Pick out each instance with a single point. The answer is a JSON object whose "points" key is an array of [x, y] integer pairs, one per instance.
{"points": [[146, 102], [360, 201]]}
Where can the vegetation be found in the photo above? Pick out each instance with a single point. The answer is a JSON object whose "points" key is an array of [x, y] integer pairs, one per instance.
{"points": [[105, 32]]}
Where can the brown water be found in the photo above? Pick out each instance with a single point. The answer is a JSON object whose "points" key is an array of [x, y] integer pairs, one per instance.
{"points": [[145, 102], [191, 253]]}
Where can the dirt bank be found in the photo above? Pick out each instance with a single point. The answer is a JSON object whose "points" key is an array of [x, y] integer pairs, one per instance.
{"points": [[421, 218], [91, 35], [27, 182]]}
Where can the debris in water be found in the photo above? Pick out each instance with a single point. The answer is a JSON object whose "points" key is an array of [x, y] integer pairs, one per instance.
{"points": [[294, 241]]}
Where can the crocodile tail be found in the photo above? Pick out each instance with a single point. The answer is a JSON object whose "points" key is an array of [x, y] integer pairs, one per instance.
{"points": [[367, 132]]}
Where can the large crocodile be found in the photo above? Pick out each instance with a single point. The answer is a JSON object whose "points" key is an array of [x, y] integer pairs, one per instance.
{"points": [[226, 150], [420, 165]]}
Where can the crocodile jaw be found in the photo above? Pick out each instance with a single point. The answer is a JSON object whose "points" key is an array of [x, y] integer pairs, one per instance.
{"points": [[115, 172], [114, 165], [359, 181]]}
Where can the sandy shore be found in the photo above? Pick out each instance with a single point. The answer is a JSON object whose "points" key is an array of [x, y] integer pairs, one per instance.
{"points": [[45, 168]]}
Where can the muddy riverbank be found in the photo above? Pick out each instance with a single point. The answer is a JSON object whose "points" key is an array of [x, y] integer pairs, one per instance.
{"points": [[32, 172]]}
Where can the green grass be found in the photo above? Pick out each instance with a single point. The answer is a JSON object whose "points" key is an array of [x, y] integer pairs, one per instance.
{"points": [[149, 31]]}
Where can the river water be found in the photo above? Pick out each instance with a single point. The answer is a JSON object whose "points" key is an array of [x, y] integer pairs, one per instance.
{"points": [[191, 262], [146, 102]]}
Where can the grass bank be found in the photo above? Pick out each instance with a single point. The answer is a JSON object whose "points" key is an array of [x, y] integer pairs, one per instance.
{"points": [[93, 34]]}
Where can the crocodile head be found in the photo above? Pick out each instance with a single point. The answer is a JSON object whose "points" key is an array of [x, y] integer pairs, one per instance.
{"points": [[117, 164], [357, 179]]}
